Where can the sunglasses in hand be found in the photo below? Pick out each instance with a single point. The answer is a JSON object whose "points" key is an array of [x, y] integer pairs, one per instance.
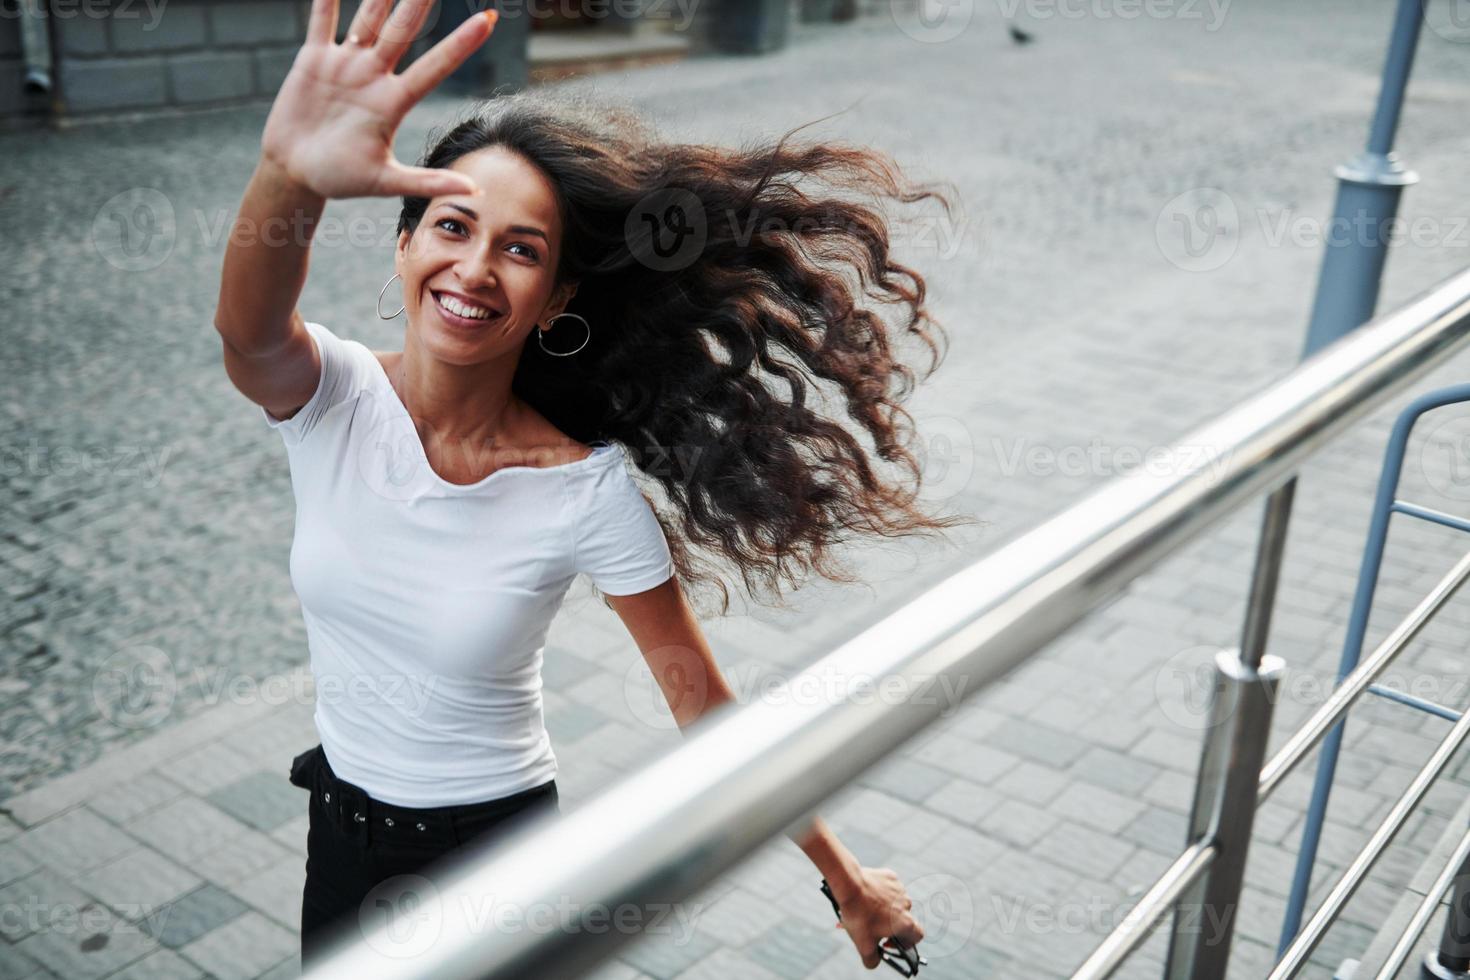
{"points": [[905, 959]]}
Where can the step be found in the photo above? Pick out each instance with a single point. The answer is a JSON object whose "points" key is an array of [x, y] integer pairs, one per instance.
{"points": [[556, 55], [1398, 920]]}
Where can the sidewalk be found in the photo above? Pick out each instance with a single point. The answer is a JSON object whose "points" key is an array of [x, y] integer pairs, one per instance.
{"points": [[1025, 824]]}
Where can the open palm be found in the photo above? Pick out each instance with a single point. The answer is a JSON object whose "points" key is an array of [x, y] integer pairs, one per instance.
{"points": [[332, 123]]}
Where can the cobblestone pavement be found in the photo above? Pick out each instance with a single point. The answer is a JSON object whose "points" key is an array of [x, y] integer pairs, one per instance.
{"points": [[147, 511]]}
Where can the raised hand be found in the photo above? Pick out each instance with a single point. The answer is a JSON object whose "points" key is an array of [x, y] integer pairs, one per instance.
{"points": [[330, 129]]}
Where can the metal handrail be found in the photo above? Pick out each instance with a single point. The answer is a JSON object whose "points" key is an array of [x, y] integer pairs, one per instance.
{"points": [[1311, 934], [1354, 684], [747, 773], [1425, 911]]}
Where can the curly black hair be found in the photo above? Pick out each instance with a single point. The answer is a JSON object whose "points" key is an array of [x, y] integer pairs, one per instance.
{"points": [[726, 305]]}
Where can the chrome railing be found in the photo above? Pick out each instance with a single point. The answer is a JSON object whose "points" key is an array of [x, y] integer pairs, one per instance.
{"points": [[747, 773]]}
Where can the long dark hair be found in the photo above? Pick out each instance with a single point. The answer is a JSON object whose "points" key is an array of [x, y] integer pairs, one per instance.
{"points": [[722, 303]]}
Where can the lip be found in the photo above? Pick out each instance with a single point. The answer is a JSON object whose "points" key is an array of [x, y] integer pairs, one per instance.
{"points": [[462, 321]]}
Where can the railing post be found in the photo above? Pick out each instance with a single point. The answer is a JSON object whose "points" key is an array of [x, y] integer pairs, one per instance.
{"points": [[1452, 960], [1224, 810]]}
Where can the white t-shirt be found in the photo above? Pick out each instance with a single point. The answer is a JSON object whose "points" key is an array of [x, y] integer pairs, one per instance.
{"points": [[427, 603]]}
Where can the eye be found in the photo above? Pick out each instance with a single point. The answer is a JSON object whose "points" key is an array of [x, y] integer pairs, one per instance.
{"points": [[440, 223], [532, 253]]}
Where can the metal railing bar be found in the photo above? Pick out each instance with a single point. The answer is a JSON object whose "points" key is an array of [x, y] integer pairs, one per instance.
{"points": [[1145, 916], [745, 774], [1431, 515], [1301, 947], [1352, 686], [1424, 912], [1423, 704]]}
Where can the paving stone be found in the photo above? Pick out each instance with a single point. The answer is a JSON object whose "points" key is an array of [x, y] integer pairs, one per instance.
{"points": [[980, 763], [907, 779], [964, 801], [276, 890], [664, 957], [1083, 850], [186, 919], [723, 963], [186, 829], [738, 917], [793, 949], [1032, 783], [262, 800], [1039, 743], [139, 883], [1096, 807], [229, 863], [1115, 771], [870, 810], [212, 766], [74, 842], [42, 901], [161, 964], [242, 948], [135, 797], [1020, 824], [15, 862]]}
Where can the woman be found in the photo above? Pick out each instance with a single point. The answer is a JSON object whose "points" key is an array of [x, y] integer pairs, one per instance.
{"points": [[447, 494]]}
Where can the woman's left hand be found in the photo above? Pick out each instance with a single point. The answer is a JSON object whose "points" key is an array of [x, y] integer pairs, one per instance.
{"points": [[877, 908]]}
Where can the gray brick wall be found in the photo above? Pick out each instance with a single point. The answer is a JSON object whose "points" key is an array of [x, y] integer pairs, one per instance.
{"points": [[113, 55]]}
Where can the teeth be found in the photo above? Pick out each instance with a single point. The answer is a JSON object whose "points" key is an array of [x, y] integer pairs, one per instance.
{"points": [[455, 306]]}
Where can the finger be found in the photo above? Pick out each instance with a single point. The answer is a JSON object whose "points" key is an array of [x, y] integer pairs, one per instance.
{"points": [[321, 26], [435, 64], [364, 28], [400, 181], [400, 31]]}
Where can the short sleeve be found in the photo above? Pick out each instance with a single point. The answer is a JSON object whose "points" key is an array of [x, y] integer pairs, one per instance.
{"points": [[620, 544], [342, 376]]}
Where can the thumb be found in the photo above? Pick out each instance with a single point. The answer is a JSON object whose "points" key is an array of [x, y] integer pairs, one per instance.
{"points": [[401, 181]]}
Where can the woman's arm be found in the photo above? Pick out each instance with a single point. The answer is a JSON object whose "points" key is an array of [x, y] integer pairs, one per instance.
{"points": [[874, 902], [329, 134], [267, 352]]}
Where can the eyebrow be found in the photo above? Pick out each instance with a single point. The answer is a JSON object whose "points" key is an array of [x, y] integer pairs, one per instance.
{"points": [[522, 229]]}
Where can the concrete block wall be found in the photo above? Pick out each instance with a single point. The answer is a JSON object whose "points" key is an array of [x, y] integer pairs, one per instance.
{"points": [[112, 56]]}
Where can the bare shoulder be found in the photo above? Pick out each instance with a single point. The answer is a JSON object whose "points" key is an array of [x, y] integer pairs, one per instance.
{"points": [[549, 444]]}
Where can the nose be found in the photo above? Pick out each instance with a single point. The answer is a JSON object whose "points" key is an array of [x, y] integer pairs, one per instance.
{"points": [[473, 270]]}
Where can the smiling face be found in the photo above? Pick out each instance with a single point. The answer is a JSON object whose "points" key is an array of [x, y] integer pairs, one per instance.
{"points": [[495, 253]]}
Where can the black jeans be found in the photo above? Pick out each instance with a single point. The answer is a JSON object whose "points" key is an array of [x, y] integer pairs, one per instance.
{"points": [[357, 847]]}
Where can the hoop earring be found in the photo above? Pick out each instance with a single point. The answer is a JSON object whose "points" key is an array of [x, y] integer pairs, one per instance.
{"points": [[379, 305], [540, 333]]}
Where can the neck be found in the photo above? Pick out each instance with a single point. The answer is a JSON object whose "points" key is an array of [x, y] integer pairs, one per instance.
{"points": [[462, 404]]}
